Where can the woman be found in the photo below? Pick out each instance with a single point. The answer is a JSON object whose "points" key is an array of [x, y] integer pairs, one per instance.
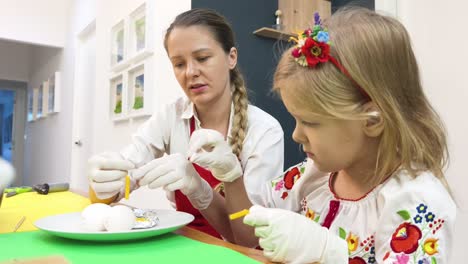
{"points": [[201, 47]]}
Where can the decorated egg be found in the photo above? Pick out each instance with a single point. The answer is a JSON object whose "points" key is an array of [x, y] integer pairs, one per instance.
{"points": [[120, 218], [93, 216]]}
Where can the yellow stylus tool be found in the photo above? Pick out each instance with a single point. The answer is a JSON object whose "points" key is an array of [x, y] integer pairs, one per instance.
{"points": [[239, 214], [127, 187]]}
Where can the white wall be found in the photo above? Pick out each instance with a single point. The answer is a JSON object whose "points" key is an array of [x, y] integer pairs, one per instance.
{"points": [[48, 142], [45, 138], [440, 40], [38, 22], [110, 135], [14, 60]]}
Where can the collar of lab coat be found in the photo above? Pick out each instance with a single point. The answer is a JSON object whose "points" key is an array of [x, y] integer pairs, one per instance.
{"points": [[190, 112]]}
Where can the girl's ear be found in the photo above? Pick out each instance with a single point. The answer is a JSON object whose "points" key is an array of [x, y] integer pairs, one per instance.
{"points": [[374, 125], [232, 58]]}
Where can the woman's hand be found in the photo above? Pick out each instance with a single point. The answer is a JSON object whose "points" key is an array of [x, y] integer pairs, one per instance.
{"points": [[175, 172], [106, 174], [209, 150]]}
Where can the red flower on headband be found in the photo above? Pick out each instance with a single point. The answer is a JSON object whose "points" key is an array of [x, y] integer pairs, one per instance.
{"points": [[315, 52], [313, 47]]}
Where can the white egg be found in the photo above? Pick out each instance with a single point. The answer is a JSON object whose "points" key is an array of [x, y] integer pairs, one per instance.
{"points": [[94, 216], [120, 218]]}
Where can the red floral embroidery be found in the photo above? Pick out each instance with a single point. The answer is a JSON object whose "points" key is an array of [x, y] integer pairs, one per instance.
{"points": [[356, 260], [405, 239], [386, 255], [290, 177], [284, 195]]}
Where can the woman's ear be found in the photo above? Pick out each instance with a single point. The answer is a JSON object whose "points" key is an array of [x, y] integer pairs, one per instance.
{"points": [[374, 125], [232, 58]]}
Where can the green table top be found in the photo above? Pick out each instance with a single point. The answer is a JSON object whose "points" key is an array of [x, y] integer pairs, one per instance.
{"points": [[168, 248]]}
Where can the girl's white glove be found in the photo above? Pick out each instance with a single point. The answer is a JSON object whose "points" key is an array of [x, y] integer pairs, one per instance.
{"points": [[289, 237], [175, 172], [209, 150], [106, 174]]}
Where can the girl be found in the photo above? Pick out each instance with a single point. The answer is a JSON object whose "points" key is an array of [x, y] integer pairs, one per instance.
{"points": [[372, 189], [200, 45]]}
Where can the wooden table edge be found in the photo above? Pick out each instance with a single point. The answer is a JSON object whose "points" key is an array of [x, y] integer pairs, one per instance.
{"points": [[205, 238]]}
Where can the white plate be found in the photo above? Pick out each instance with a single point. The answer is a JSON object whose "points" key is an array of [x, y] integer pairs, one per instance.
{"points": [[70, 226]]}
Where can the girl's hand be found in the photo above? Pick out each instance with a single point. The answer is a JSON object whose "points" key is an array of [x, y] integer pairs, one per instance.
{"points": [[289, 237]]}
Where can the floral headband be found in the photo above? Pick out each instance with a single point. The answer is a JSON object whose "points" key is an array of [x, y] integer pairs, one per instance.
{"points": [[313, 48]]}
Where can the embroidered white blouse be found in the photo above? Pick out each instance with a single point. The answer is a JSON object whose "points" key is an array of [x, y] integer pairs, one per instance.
{"points": [[168, 131], [403, 220]]}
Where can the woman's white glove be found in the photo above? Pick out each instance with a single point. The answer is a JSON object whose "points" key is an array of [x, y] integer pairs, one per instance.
{"points": [[209, 150], [106, 174], [175, 172], [289, 237]]}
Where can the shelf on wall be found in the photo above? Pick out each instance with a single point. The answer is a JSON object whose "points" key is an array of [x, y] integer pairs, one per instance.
{"points": [[274, 33], [297, 15]]}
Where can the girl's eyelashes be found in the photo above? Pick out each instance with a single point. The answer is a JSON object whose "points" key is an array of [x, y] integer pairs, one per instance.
{"points": [[310, 124]]}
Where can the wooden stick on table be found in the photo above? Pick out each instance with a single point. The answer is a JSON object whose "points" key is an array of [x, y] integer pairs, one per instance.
{"points": [[20, 222]]}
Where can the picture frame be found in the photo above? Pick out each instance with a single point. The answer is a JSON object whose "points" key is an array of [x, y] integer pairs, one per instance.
{"points": [[139, 41], [35, 103], [118, 102], [136, 90], [132, 43], [40, 94], [53, 101], [30, 115], [45, 98], [138, 29], [118, 46]]}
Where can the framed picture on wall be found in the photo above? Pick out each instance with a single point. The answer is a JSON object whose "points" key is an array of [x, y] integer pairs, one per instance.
{"points": [[45, 98], [118, 46], [117, 102], [138, 43], [53, 102], [138, 29], [51, 95], [136, 89], [30, 105], [35, 103], [40, 93], [132, 41]]}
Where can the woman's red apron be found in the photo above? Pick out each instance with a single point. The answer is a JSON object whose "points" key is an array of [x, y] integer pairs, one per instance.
{"points": [[184, 205]]}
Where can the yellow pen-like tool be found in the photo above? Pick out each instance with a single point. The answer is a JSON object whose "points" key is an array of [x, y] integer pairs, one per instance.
{"points": [[127, 187], [239, 214]]}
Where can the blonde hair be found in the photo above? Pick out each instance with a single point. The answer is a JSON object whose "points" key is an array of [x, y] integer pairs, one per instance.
{"points": [[240, 120], [377, 53], [223, 34]]}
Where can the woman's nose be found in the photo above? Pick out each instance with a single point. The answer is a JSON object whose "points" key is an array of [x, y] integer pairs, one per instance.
{"points": [[192, 70]]}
